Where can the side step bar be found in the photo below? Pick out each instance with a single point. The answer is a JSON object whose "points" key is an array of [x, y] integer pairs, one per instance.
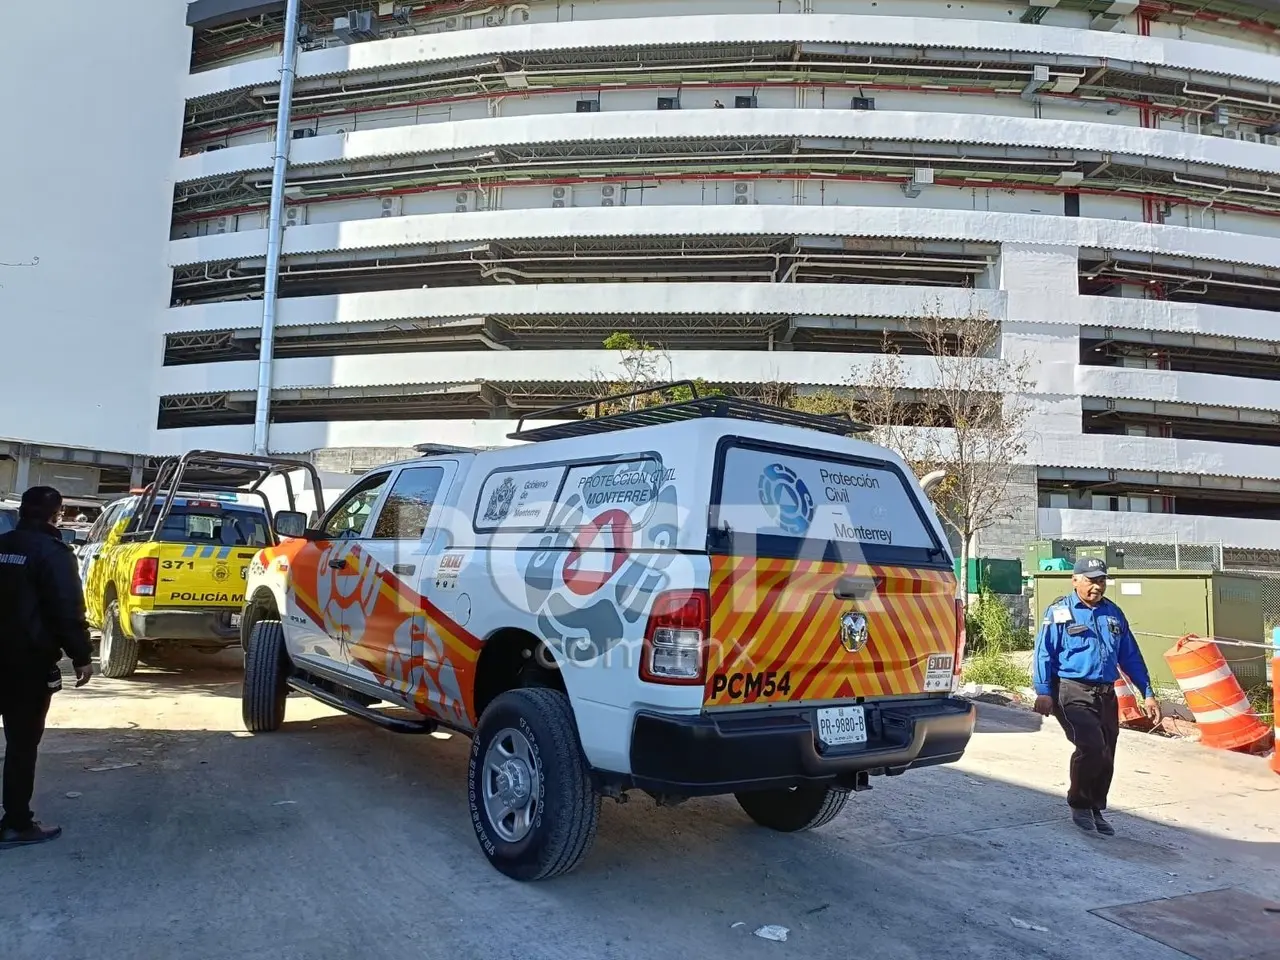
{"points": [[395, 724]]}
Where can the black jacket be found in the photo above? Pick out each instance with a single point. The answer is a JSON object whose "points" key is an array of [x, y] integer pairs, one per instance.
{"points": [[41, 601]]}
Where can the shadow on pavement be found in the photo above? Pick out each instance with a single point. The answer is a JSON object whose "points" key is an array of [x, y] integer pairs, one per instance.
{"points": [[335, 839]]}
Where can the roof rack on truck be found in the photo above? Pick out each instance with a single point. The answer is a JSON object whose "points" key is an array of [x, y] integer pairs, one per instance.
{"points": [[244, 473], [730, 408]]}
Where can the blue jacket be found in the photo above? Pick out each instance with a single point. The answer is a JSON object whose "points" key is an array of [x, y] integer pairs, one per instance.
{"points": [[1080, 643]]}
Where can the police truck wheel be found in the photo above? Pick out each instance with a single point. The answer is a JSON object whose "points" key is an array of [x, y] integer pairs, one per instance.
{"points": [[533, 803], [797, 808], [117, 654], [266, 675]]}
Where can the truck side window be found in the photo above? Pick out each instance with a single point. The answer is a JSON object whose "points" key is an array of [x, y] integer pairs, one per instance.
{"points": [[106, 520], [348, 517], [408, 506]]}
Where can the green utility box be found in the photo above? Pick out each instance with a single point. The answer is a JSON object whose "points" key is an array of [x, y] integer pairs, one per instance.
{"points": [[1041, 551], [1164, 604], [998, 576]]}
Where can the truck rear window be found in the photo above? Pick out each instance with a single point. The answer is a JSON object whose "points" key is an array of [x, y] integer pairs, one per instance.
{"points": [[775, 501], [222, 526]]}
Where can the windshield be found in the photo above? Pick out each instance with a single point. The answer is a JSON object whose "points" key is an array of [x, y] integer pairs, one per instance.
{"points": [[228, 526]]}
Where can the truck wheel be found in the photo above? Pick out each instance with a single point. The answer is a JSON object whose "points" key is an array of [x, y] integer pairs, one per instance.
{"points": [[797, 808], [117, 654], [533, 803], [266, 674]]}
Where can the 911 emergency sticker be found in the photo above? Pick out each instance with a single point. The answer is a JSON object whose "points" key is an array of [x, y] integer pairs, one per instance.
{"points": [[938, 673]]}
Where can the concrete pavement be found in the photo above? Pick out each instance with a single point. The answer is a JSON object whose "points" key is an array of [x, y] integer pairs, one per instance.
{"points": [[333, 839]]}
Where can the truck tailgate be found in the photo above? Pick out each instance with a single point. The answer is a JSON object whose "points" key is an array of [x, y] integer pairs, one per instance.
{"points": [[777, 631], [199, 575]]}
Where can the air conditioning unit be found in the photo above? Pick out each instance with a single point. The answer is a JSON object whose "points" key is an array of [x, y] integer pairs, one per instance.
{"points": [[744, 103], [357, 25], [215, 146], [559, 196], [607, 195], [1040, 73], [295, 215], [1250, 136], [863, 103], [1271, 140], [453, 23], [302, 133], [920, 177], [221, 225], [391, 206], [1231, 133], [744, 194], [588, 106], [668, 103], [464, 201]]}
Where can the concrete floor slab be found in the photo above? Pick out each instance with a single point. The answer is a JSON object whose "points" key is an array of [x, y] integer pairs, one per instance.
{"points": [[332, 839]]}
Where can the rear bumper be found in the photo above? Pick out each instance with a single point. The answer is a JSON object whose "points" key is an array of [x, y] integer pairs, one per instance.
{"points": [[729, 751], [205, 626]]}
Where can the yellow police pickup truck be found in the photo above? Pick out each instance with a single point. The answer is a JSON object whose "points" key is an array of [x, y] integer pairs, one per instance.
{"points": [[167, 565]]}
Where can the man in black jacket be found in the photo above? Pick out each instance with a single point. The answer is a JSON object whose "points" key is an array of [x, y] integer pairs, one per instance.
{"points": [[41, 616]]}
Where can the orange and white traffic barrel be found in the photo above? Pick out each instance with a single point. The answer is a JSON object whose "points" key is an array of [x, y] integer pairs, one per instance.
{"points": [[1275, 709], [1127, 700], [1223, 714]]}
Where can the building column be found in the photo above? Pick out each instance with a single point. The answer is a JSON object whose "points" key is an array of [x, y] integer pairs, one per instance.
{"points": [[135, 473], [22, 475]]}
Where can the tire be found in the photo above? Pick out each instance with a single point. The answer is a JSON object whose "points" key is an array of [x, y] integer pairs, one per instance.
{"points": [[798, 808], [563, 805], [266, 674], [117, 654]]}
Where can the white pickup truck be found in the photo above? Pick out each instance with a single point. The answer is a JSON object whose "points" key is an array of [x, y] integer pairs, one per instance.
{"points": [[707, 597]]}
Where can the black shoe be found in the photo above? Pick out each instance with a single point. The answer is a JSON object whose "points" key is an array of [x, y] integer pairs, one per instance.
{"points": [[1100, 824], [1082, 819], [36, 833]]}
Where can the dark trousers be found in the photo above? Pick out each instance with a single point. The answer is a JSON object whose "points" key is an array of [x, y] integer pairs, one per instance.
{"points": [[24, 704], [1091, 720]]}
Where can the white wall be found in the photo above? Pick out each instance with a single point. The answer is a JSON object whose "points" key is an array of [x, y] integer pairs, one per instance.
{"points": [[87, 174]]}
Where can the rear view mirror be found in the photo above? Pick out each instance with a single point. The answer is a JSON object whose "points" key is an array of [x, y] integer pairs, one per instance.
{"points": [[290, 523]]}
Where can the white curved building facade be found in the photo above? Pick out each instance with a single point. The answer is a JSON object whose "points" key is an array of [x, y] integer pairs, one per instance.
{"points": [[478, 195]]}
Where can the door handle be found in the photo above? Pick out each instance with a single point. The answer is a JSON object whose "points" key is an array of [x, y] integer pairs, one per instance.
{"points": [[855, 588], [338, 563], [403, 568]]}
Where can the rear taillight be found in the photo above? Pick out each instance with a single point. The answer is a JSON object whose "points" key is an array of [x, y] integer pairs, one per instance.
{"points": [[960, 636], [144, 577], [675, 638]]}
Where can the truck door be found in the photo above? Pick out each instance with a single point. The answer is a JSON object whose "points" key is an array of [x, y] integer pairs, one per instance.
{"points": [[395, 641], [328, 591], [94, 559]]}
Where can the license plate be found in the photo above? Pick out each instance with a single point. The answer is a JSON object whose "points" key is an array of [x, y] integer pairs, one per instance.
{"points": [[235, 619], [841, 725]]}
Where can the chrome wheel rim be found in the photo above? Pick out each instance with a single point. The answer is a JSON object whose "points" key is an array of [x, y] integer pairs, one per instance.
{"points": [[108, 633], [512, 785]]}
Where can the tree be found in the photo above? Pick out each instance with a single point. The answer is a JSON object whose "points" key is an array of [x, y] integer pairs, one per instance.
{"points": [[967, 418], [646, 366]]}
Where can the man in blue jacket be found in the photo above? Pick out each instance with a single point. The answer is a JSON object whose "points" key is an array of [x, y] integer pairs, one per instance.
{"points": [[1083, 642]]}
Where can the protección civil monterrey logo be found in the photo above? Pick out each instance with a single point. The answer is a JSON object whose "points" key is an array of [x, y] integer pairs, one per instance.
{"points": [[786, 498]]}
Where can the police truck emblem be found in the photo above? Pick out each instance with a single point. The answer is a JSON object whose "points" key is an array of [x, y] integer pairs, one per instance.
{"points": [[853, 631]]}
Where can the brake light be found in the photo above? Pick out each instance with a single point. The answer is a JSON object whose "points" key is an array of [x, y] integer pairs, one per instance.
{"points": [[145, 572], [960, 636], [675, 638]]}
